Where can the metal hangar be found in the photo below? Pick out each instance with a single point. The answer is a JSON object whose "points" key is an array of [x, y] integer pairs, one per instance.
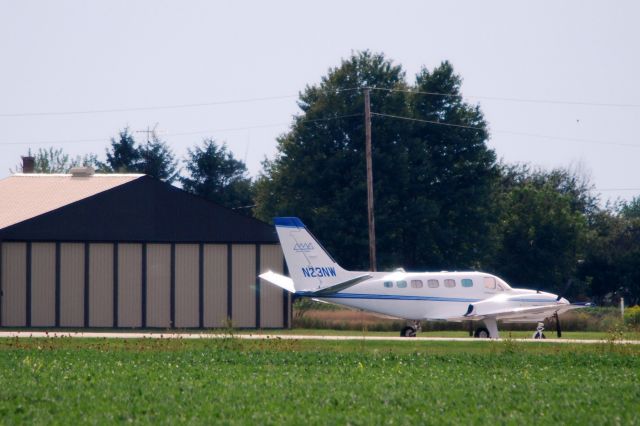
{"points": [[129, 251]]}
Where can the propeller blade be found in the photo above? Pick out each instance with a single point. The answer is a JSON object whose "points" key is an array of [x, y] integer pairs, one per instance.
{"points": [[566, 289]]}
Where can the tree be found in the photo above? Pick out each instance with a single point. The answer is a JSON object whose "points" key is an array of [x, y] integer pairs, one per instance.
{"points": [[630, 209], [213, 173], [154, 158], [55, 160], [453, 173], [157, 160], [319, 170], [542, 228], [610, 266], [124, 155]]}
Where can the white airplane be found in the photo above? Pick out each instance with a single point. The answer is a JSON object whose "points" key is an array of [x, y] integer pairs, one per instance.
{"points": [[414, 296]]}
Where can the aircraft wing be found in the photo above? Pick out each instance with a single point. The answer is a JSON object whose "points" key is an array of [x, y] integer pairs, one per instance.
{"points": [[524, 314]]}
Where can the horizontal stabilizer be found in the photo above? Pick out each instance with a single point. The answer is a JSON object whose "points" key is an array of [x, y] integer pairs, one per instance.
{"points": [[279, 280], [340, 286], [287, 284]]}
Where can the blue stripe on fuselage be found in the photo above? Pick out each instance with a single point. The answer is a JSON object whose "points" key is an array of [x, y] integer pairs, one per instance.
{"points": [[387, 297]]}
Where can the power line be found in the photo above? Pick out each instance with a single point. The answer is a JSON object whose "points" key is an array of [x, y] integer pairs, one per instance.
{"points": [[440, 123], [271, 98], [260, 126], [507, 99], [146, 108], [196, 132], [508, 132], [163, 107]]}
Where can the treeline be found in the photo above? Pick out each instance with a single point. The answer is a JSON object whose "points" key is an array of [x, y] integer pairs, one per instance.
{"points": [[210, 170], [442, 199]]}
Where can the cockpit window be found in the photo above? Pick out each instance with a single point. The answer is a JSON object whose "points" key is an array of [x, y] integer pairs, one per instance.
{"points": [[502, 286], [490, 283], [401, 284], [466, 282], [388, 284]]}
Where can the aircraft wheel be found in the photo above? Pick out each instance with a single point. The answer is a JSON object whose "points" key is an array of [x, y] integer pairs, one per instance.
{"points": [[482, 333], [539, 335], [408, 332]]}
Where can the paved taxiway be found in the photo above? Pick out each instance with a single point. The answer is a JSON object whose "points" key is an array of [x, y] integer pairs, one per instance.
{"points": [[158, 335]]}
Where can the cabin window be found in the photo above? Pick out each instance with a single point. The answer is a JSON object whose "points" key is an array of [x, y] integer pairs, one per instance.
{"points": [[433, 283], [416, 283], [490, 283], [401, 284], [466, 282], [449, 283], [388, 284]]}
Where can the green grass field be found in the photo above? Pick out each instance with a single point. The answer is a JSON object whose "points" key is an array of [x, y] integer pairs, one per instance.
{"points": [[235, 381]]}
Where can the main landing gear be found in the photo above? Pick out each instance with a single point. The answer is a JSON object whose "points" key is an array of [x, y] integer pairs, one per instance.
{"points": [[489, 331], [411, 329], [481, 333]]}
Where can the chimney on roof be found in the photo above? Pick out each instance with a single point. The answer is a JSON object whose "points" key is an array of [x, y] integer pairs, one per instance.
{"points": [[82, 171], [28, 164]]}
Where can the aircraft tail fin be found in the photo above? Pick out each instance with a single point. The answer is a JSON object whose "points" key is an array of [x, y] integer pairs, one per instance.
{"points": [[311, 268]]}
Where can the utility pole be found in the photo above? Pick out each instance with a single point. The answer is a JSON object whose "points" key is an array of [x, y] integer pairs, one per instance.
{"points": [[372, 224]]}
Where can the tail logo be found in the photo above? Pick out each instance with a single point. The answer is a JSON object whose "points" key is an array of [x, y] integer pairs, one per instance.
{"points": [[303, 247]]}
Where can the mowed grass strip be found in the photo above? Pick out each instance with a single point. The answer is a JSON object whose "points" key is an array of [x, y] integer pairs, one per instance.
{"points": [[234, 381]]}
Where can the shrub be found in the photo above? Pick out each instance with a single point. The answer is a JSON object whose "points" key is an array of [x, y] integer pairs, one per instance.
{"points": [[632, 317]]}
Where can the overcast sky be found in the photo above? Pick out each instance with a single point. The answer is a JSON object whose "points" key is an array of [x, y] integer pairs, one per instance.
{"points": [[579, 59]]}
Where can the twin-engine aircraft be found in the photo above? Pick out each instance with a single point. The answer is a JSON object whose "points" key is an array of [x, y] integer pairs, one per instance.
{"points": [[424, 296]]}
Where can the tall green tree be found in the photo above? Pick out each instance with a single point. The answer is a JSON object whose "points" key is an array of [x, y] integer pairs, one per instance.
{"points": [[319, 171], [157, 160], [213, 173], [123, 155], [153, 158], [453, 173], [611, 263], [542, 231]]}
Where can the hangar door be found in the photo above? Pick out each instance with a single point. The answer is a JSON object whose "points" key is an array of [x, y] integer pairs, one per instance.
{"points": [[138, 285]]}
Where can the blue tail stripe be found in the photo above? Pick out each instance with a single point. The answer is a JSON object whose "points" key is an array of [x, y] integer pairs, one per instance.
{"points": [[288, 222]]}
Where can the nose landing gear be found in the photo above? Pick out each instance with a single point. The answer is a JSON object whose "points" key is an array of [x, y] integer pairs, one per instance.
{"points": [[539, 332]]}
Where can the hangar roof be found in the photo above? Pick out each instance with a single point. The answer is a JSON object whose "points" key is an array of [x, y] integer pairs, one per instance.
{"points": [[23, 196], [118, 208]]}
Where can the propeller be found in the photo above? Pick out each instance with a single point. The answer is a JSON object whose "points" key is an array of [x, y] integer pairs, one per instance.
{"points": [[560, 295], [566, 290]]}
